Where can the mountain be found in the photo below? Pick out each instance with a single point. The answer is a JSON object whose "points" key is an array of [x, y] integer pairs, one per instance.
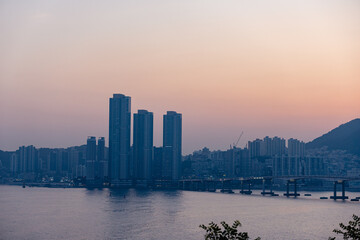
{"points": [[345, 137]]}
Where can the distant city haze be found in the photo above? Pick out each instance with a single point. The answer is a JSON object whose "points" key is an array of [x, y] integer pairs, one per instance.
{"points": [[267, 68]]}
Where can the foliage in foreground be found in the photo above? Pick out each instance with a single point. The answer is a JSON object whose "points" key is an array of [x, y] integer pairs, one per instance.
{"points": [[227, 232], [351, 231]]}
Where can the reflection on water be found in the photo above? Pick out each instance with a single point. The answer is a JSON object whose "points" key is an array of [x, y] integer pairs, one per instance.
{"points": [[46, 213]]}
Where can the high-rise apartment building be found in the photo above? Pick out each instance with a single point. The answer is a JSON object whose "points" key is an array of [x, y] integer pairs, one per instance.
{"points": [[172, 130], [90, 158], [102, 164], [157, 163], [143, 145], [119, 138], [101, 149], [277, 146], [267, 147], [27, 159], [255, 148], [296, 148], [14, 164]]}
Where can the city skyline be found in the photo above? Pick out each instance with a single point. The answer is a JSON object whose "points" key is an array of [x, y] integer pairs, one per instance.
{"points": [[276, 68], [131, 132]]}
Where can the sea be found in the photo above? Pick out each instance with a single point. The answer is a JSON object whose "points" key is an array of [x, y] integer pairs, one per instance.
{"points": [[36, 213]]}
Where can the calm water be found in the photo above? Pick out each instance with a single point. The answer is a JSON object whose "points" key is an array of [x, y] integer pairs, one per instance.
{"points": [[48, 213]]}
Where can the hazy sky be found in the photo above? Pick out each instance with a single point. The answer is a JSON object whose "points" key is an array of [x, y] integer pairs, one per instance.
{"points": [[277, 68]]}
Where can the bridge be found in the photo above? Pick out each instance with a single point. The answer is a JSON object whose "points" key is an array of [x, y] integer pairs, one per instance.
{"points": [[227, 185]]}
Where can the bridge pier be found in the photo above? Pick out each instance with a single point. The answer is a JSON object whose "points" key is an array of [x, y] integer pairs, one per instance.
{"points": [[343, 197], [288, 193], [264, 192], [242, 191], [227, 189]]}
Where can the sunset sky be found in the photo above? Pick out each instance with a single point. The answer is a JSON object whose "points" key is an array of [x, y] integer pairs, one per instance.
{"points": [[268, 68]]}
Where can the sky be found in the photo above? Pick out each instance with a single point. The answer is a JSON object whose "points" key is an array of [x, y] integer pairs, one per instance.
{"points": [[266, 68]]}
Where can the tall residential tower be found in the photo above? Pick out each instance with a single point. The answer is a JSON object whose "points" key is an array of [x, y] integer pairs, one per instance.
{"points": [[119, 139], [102, 170], [143, 145], [90, 158], [171, 168]]}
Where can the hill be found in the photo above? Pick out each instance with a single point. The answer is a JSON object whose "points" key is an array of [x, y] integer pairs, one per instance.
{"points": [[345, 137]]}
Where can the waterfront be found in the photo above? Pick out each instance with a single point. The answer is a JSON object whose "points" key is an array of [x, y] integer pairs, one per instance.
{"points": [[48, 213]]}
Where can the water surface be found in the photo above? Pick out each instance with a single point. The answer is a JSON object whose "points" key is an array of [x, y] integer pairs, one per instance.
{"points": [[56, 213]]}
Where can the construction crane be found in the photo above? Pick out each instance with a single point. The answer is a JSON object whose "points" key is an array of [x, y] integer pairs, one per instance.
{"points": [[237, 142]]}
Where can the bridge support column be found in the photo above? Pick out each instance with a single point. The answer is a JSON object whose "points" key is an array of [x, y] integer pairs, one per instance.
{"points": [[287, 188], [228, 187], [264, 192], [263, 186], [288, 193], [342, 197], [248, 192]]}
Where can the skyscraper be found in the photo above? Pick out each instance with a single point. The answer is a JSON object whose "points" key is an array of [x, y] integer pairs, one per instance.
{"points": [[157, 162], [90, 158], [143, 144], [101, 149], [171, 168], [119, 138], [101, 171]]}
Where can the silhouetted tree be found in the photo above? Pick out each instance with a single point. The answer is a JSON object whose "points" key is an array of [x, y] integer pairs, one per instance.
{"points": [[227, 232], [351, 231]]}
